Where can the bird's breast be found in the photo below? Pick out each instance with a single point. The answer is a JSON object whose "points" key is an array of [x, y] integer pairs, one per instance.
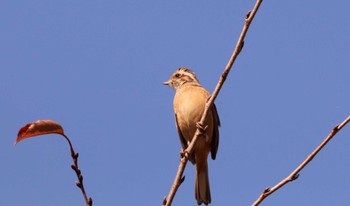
{"points": [[189, 104]]}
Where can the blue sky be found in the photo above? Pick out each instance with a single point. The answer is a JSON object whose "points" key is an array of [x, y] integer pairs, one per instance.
{"points": [[97, 67]]}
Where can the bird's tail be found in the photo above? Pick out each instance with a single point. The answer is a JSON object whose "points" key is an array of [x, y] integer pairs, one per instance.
{"points": [[202, 187]]}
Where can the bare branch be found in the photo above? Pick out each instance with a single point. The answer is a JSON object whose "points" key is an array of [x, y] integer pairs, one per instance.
{"points": [[184, 159], [295, 174], [74, 166]]}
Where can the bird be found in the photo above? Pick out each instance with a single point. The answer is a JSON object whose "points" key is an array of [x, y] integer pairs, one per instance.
{"points": [[189, 104]]}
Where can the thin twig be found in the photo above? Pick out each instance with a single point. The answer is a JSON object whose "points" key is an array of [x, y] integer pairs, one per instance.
{"points": [[295, 174], [75, 167], [184, 159]]}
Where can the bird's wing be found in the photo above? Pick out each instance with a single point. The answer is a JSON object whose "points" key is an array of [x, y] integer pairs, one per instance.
{"points": [[215, 140], [183, 141]]}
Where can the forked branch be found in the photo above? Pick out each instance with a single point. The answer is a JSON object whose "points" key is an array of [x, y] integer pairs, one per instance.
{"points": [[184, 159], [295, 174]]}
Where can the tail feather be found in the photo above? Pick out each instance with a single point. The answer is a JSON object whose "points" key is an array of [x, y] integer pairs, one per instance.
{"points": [[202, 187]]}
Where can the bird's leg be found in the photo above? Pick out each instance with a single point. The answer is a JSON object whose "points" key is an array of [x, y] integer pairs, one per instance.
{"points": [[184, 153], [202, 129]]}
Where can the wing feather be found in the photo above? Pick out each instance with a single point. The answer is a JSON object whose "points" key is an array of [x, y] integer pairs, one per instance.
{"points": [[216, 135]]}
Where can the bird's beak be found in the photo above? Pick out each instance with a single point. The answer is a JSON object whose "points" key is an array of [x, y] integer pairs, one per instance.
{"points": [[167, 82]]}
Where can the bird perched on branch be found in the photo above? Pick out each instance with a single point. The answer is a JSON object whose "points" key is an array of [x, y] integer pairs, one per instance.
{"points": [[189, 105]]}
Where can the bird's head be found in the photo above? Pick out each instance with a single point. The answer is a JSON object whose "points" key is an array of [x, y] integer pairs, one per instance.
{"points": [[181, 77]]}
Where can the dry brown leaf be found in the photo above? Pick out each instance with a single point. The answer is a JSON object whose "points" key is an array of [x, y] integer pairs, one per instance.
{"points": [[39, 127]]}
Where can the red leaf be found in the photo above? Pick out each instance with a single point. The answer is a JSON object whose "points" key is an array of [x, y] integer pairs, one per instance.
{"points": [[39, 127]]}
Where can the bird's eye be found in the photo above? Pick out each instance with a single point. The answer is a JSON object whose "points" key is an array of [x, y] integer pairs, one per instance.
{"points": [[177, 75]]}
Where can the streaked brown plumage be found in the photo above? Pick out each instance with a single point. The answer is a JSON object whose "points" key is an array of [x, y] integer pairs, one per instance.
{"points": [[189, 104]]}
